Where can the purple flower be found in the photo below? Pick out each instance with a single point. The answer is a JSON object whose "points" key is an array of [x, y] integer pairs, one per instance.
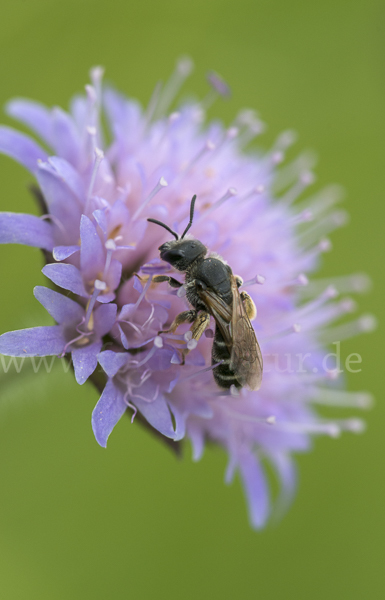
{"points": [[102, 255]]}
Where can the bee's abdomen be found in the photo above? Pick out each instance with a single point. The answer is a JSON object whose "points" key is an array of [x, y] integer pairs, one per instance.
{"points": [[223, 375]]}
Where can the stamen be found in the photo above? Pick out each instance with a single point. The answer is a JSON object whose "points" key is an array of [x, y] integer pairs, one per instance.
{"points": [[73, 341], [295, 328], [305, 179], [209, 146], [218, 88], [160, 185], [304, 310], [301, 280], [173, 118], [184, 66], [303, 217], [110, 246], [158, 343], [324, 226], [152, 105], [247, 419], [99, 287], [231, 192], [322, 201], [342, 398], [289, 174], [359, 283], [210, 368], [259, 279], [305, 257], [331, 429], [99, 155], [353, 425], [252, 130], [125, 399], [218, 84], [364, 324]]}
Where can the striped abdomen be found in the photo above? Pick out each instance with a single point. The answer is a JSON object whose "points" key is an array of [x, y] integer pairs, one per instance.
{"points": [[223, 375]]}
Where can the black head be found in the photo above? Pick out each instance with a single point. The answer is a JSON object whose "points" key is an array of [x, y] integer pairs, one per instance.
{"points": [[180, 253]]}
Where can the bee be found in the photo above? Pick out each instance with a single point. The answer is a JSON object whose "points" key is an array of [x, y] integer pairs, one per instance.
{"points": [[213, 290]]}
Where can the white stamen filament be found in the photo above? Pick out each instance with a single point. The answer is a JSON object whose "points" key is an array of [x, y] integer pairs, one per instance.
{"points": [[99, 155], [258, 279], [184, 66], [330, 397], [364, 324], [99, 287], [295, 328], [323, 226], [247, 419], [160, 185], [296, 190], [209, 146], [330, 428], [288, 174], [210, 368]]}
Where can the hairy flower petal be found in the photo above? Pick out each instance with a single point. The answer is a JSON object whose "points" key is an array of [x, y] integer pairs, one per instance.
{"points": [[92, 254], [85, 361], [112, 361], [157, 414], [60, 307], [255, 485], [18, 228], [66, 276], [36, 341], [21, 148], [33, 114], [110, 408]]}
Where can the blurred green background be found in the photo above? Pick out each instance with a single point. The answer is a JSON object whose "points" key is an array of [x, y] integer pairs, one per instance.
{"points": [[77, 521]]}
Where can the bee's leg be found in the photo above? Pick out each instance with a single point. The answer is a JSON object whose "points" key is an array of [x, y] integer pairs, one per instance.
{"points": [[173, 282], [250, 308], [201, 322], [239, 280], [188, 316]]}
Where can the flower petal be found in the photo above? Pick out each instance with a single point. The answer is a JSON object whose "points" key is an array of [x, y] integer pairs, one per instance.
{"points": [[85, 361], [21, 148], [104, 318], [18, 228], [62, 252], [112, 361], [92, 253], [36, 341], [33, 114], [110, 408], [66, 276], [66, 137], [255, 486], [157, 414], [60, 307], [62, 204], [71, 177]]}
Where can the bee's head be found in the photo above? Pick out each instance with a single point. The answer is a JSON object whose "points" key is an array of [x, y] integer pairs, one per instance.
{"points": [[180, 253]]}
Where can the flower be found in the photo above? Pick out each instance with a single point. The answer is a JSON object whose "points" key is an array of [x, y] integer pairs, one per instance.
{"points": [[102, 256]]}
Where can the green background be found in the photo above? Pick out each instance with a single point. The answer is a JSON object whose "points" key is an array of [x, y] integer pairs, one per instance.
{"points": [[77, 521]]}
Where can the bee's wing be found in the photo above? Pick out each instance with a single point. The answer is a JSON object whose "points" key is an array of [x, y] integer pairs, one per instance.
{"points": [[221, 312], [246, 358]]}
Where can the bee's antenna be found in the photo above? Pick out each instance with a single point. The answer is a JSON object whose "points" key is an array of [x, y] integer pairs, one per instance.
{"points": [[165, 226], [191, 216]]}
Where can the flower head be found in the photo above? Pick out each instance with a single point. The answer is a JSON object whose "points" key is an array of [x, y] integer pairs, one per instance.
{"points": [[111, 303]]}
